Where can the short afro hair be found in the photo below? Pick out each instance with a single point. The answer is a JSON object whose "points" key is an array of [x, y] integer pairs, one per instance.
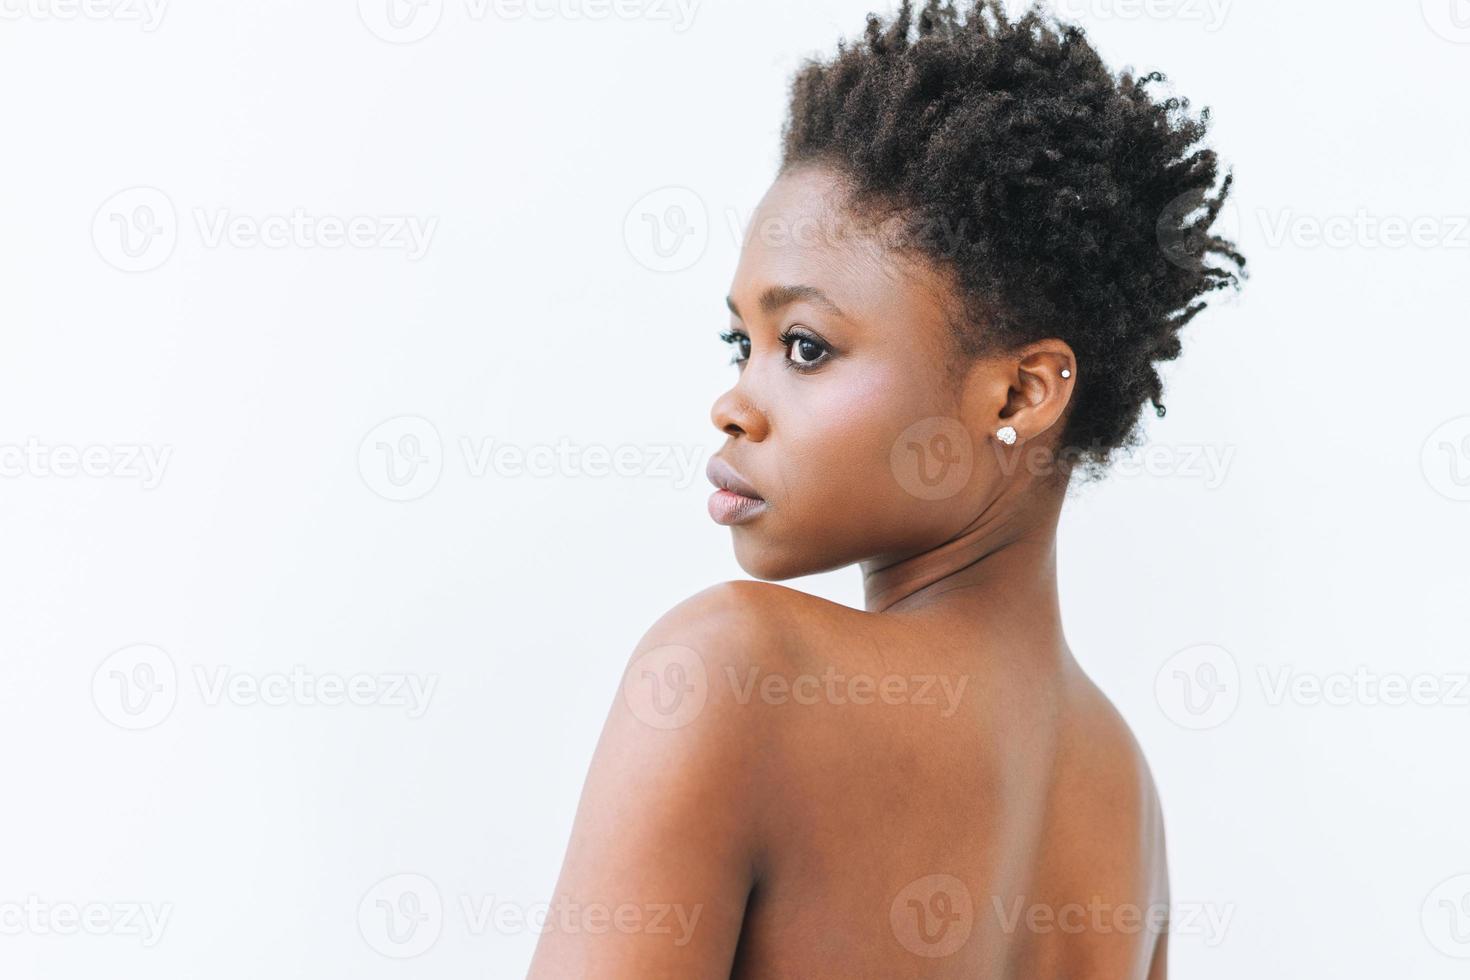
{"points": [[1076, 204]]}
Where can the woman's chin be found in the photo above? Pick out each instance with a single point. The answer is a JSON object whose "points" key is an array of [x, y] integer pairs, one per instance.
{"points": [[758, 561], [764, 570], [762, 562]]}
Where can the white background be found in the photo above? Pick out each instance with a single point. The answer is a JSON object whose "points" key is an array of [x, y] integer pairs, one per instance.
{"points": [[1331, 540]]}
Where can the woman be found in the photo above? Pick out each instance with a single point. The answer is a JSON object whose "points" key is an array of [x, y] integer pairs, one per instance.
{"points": [[950, 302]]}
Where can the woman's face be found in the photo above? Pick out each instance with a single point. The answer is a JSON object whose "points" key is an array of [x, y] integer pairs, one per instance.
{"points": [[845, 418]]}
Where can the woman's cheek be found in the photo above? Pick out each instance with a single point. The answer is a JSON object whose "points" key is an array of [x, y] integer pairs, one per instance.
{"points": [[844, 436]]}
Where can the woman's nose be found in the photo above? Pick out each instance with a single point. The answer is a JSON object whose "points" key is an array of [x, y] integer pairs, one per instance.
{"points": [[734, 415]]}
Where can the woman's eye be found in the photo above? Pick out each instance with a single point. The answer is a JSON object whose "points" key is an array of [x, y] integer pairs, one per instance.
{"points": [[739, 346], [804, 350]]}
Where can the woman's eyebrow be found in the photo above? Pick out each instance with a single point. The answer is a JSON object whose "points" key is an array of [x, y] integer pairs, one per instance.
{"points": [[776, 297]]}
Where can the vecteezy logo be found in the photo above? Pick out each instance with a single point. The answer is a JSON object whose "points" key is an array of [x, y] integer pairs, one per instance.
{"points": [[933, 916], [136, 230], [402, 458], [1182, 236], [401, 916], [667, 230], [933, 458], [136, 687], [401, 21], [1445, 459], [1450, 19], [1199, 687], [666, 687], [1446, 917]]}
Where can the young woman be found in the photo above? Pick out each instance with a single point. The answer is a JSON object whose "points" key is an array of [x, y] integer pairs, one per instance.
{"points": [[950, 302]]}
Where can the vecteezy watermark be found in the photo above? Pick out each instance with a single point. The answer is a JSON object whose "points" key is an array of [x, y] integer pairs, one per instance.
{"points": [[1364, 229], [1445, 917], [147, 14], [933, 458], [401, 916], [34, 916], [1450, 19], [1201, 686], [1206, 920], [1207, 465], [408, 233], [508, 460], [674, 920], [667, 230], [407, 21], [1445, 459], [881, 231], [668, 687], [137, 688], [1198, 687], [137, 229], [403, 458], [401, 21], [404, 915], [121, 461], [834, 687], [1210, 13], [1184, 234], [1362, 687], [670, 229], [932, 916], [301, 687]]}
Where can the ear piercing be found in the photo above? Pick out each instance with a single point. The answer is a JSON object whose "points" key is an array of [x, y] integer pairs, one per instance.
{"points": [[1066, 373]]}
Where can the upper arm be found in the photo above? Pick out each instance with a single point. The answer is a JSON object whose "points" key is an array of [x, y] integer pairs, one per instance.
{"points": [[1159, 965], [663, 849], [1159, 962]]}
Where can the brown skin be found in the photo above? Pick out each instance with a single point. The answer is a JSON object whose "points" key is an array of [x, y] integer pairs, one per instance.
{"points": [[943, 730]]}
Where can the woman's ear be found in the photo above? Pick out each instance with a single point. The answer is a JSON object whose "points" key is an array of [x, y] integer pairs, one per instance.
{"points": [[1040, 378]]}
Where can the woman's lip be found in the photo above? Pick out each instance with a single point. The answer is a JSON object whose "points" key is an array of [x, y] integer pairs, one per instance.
{"points": [[728, 507], [723, 475]]}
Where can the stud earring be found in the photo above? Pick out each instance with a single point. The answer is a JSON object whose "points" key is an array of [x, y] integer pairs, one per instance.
{"points": [[1066, 373], [1006, 434]]}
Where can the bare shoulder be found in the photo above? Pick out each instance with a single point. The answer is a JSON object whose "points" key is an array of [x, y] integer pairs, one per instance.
{"points": [[678, 794], [678, 677], [756, 617], [697, 689]]}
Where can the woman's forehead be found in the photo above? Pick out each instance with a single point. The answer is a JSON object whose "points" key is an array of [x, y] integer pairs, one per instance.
{"points": [[803, 236]]}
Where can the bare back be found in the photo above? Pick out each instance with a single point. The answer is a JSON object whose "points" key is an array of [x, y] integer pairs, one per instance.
{"points": [[820, 792], [957, 808]]}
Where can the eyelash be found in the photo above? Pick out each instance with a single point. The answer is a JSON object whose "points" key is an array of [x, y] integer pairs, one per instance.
{"points": [[786, 339]]}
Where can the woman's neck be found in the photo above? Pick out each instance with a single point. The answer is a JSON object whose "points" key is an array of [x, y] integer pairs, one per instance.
{"points": [[1005, 560]]}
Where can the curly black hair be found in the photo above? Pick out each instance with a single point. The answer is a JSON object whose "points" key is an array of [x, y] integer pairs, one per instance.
{"points": [[1076, 204]]}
